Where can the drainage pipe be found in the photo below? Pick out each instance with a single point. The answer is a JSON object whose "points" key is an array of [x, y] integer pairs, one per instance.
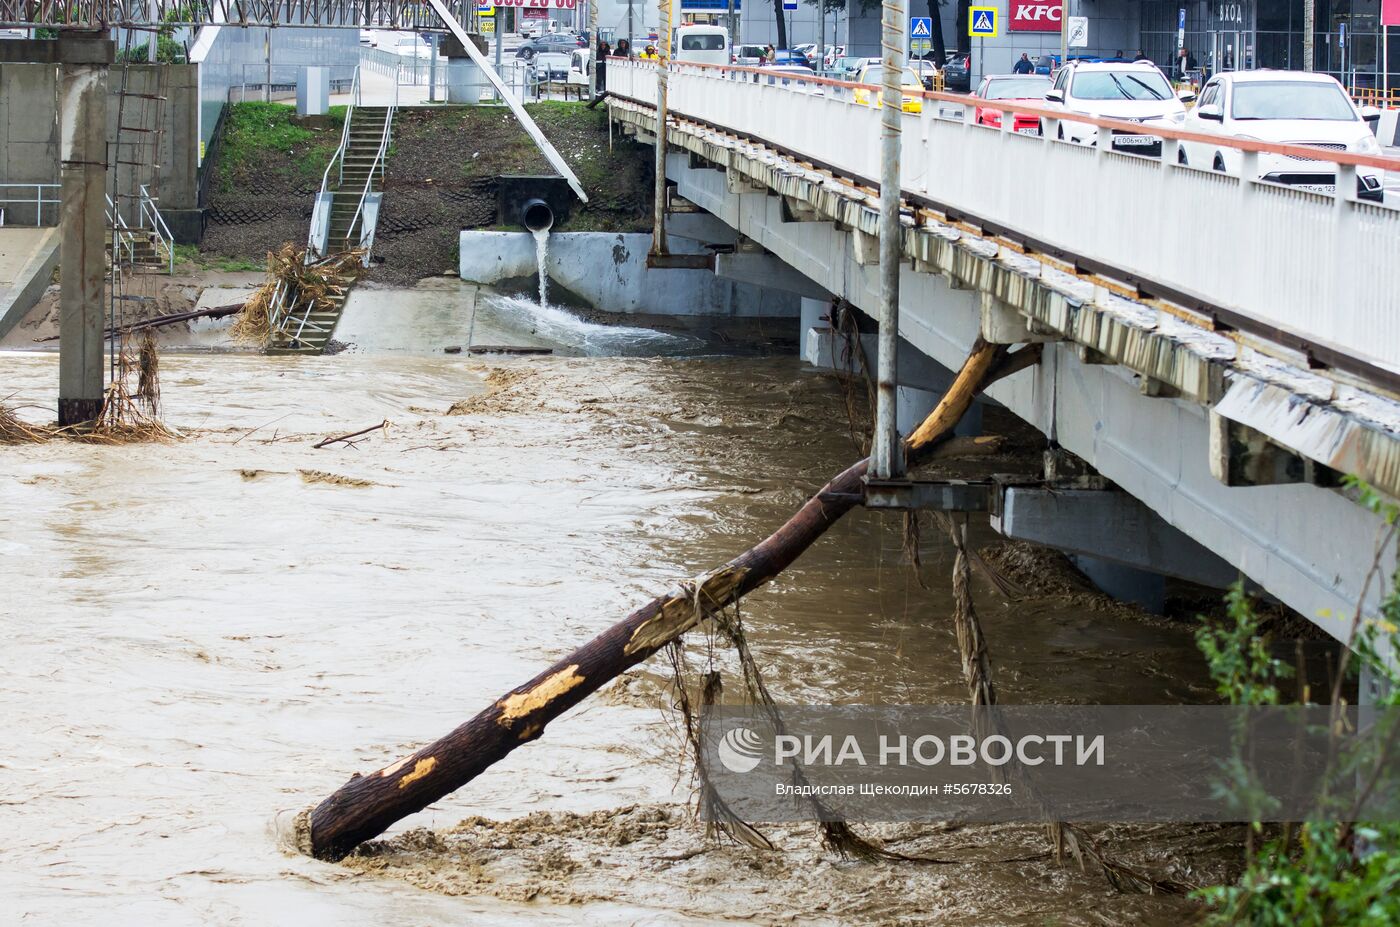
{"points": [[536, 216]]}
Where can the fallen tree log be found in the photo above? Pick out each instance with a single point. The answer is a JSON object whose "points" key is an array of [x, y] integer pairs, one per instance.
{"points": [[368, 804], [213, 312]]}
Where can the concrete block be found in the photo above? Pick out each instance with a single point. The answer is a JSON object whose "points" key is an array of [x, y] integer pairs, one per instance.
{"points": [[609, 271], [313, 91]]}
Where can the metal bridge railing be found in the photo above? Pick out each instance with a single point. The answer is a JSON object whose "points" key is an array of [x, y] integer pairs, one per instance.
{"points": [[1314, 271], [18, 202], [352, 14]]}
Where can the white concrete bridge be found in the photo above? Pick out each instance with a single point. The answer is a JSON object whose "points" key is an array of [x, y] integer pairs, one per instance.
{"points": [[1222, 349]]}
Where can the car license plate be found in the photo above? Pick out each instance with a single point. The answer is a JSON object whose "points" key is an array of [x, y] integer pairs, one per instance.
{"points": [[1028, 130], [1135, 140], [1318, 187]]}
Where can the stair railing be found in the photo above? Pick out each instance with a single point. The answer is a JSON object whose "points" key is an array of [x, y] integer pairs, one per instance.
{"points": [[123, 238], [378, 165], [152, 219], [337, 161]]}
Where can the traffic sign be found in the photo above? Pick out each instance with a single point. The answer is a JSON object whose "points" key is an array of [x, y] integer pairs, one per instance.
{"points": [[789, 6], [921, 27], [1078, 32], [982, 22]]}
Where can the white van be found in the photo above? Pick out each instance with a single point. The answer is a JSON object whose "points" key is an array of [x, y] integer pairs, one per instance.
{"points": [[702, 44]]}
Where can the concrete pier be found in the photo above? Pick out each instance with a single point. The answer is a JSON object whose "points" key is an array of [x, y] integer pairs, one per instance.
{"points": [[85, 59]]}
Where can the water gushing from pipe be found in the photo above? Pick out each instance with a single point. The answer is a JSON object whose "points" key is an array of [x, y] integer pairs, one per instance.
{"points": [[541, 262]]}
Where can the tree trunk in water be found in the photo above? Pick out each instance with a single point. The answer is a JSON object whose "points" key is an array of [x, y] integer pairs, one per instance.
{"points": [[940, 49], [366, 805], [782, 24]]}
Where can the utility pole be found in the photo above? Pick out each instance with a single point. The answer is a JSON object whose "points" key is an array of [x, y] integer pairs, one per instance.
{"points": [[85, 60], [1064, 32], [886, 452], [597, 43], [1309, 25], [663, 28]]}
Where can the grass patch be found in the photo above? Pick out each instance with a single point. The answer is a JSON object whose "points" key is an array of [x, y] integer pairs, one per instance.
{"points": [[261, 138], [191, 256]]}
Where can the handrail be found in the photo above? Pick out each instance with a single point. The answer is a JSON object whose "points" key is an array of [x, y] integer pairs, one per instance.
{"points": [[121, 232], [377, 165], [344, 133], [158, 226], [37, 201], [1384, 162]]}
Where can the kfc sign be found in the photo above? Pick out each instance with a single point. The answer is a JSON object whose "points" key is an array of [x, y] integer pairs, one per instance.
{"points": [[1035, 15]]}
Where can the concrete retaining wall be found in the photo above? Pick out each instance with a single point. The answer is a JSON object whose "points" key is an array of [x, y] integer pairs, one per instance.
{"points": [[608, 269]]}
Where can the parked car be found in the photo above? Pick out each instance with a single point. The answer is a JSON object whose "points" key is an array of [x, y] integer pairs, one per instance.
{"points": [[1291, 107], [748, 55], [874, 74], [847, 67], [1134, 92], [957, 73], [793, 72], [703, 44], [563, 42], [1023, 88], [927, 71], [551, 67]]}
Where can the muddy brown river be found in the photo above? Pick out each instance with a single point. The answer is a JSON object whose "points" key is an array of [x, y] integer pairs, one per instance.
{"points": [[201, 638]]}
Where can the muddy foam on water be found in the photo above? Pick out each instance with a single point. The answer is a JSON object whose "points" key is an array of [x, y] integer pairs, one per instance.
{"points": [[199, 639]]}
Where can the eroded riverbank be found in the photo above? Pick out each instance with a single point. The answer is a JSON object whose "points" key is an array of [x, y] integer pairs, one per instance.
{"points": [[198, 636]]}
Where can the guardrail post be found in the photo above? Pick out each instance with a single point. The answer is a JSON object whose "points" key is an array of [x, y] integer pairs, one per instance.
{"points": [[1345, 190], [1249, 173]]}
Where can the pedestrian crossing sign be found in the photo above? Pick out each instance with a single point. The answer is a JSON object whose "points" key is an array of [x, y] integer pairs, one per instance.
{"points": [[982, 22], [921, 27]]}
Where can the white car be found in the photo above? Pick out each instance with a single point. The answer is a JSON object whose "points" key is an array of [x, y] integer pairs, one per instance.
{"points": [[1136, 91], [1292, 107]]}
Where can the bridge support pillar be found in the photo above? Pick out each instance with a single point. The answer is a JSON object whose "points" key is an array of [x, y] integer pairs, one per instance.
{"points": [[85, 59], [813, 316], [1109, 528]]}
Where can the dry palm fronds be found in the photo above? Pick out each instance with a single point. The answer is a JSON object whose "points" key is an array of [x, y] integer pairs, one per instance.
{"points": [[13, 430], [291, 281], [148, 383], [122, 419]]}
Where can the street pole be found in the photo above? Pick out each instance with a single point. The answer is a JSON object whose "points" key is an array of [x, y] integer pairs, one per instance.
{"points": [[663, 27], [594, 40], [821, 36], [631, 39], [432, 69], [1309, 23], [1064, 32], [500, 40], [886, 452]]}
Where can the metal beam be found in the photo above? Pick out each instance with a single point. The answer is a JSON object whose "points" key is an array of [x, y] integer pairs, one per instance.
{"points": [[318, 14], [555, 159]]}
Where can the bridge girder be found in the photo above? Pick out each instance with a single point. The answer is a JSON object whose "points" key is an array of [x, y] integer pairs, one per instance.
{"points": [[100, 14]]}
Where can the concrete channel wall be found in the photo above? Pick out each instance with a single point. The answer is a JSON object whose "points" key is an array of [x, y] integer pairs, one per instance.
{"points": [[29, 139], [609, 270]]}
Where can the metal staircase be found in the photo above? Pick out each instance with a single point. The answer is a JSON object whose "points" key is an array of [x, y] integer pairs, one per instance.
{"points": [[343, 219]]}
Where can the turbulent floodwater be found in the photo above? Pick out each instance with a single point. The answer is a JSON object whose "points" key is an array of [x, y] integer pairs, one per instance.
{"points": [[199, 639]]}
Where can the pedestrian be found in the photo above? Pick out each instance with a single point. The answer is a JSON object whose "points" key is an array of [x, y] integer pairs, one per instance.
{"points": [[1023, 66], [600, 67], [624, 48], [649, 53], [1185, 63], [1118, 55], [770, 56], [1142, 56]]}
